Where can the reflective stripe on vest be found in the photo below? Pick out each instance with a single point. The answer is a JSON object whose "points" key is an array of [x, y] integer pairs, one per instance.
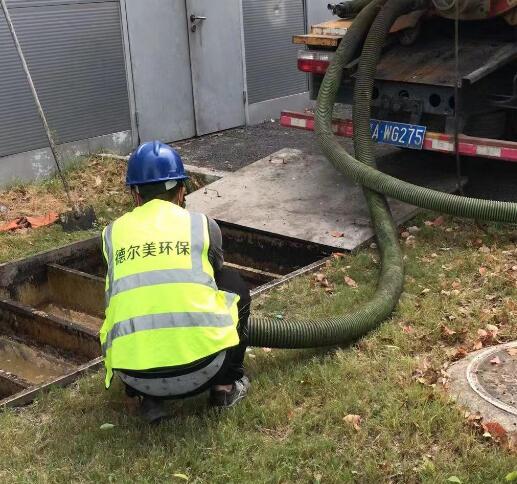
{"points": [[167, 320]]}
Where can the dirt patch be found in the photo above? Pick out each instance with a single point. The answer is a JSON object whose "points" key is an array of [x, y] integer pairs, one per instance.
{"points": [[92, 182], [83, 319]]}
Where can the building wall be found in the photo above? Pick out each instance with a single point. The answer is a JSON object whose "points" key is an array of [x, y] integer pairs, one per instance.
{"points": [[74, 49], [318, 12], [79, 55]]}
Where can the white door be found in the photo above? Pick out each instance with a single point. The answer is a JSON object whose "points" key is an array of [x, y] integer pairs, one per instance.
{"points": [[216, 61], [160, 61]]}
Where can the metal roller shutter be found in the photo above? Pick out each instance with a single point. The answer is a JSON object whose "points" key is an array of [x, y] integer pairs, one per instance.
{"points": [[75, 52], [270, 54]]}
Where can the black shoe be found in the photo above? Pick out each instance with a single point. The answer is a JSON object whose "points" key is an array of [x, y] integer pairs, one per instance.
{"points": [[153, 410], [222, 398]]}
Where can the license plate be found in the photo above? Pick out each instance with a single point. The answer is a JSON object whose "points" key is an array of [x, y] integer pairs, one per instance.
{"points": [[398, 134]]}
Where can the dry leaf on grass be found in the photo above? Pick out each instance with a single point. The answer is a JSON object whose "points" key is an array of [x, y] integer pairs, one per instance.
{"points": [[495, 431], [460, 353], [474, 419], [354, 421], [350, 282], [322, 280], [477, 346], [446, 331], [408, 329], [438, 221]]}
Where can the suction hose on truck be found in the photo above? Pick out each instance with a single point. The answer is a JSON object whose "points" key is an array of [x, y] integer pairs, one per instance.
{"points": [[371, 26]]}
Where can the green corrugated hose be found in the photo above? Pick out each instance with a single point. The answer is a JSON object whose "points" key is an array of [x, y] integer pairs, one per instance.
{"points": [[338, 330], [341, 329]]}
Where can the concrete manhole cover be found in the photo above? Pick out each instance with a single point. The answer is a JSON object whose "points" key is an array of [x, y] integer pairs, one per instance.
{"points": [[492, 374]]}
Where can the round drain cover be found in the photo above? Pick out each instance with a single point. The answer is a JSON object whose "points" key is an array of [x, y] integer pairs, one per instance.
{"points": [[492, 374]]}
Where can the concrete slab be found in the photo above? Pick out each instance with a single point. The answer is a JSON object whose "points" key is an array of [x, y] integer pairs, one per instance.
{"points": [[301, 196], [481, 385]]}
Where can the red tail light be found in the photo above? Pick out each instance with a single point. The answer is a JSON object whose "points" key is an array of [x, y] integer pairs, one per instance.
{"points": [[314, 62]]}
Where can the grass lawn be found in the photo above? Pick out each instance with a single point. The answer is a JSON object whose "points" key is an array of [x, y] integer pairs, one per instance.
{"points": [[298, 423]]}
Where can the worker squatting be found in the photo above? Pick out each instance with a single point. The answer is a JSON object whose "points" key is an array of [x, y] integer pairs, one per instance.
{"points": [[176, 318]]}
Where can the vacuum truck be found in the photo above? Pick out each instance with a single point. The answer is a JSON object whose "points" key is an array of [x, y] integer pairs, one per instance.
{"points": [[448, 72]]}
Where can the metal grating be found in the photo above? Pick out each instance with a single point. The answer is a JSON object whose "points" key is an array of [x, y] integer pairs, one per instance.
{"points": [[271, 67], [75, 52]]}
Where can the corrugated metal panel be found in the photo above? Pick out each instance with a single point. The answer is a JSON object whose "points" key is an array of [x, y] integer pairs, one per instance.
{"points": [[270, 54], [75, 54], [40, 3]]}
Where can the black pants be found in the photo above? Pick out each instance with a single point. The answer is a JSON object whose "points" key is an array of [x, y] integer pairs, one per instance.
{"points": [[228, 280]]}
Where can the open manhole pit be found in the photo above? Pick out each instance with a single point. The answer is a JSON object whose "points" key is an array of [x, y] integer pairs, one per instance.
{"points": [[37, 350], [52, 304], [30, 364]]}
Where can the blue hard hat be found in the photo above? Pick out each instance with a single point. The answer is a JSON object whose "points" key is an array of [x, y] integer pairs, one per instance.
{"points": [[154, 162]]}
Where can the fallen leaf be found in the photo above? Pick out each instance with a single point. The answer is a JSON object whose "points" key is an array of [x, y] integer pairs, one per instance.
{"points": [[495, 430], [354, 420], [438, 221], [107, 426], [511, 477], [338, 255], [456, 285], [321, 279], [408, 329], [350, 282], [319, 276], [477, 346], [473, 417], [180, 476], [266, 350], [492, 328], [454, 479], [482, 270], [460, 353], [495, 361], [512, 351], [337, 234], [446, 331]]}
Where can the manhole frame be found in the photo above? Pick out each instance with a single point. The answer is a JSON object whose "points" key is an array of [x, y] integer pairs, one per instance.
{"points": [[475, 384]]}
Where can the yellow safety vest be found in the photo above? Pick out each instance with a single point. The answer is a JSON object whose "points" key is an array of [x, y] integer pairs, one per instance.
{"points": [[163, 308]]}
